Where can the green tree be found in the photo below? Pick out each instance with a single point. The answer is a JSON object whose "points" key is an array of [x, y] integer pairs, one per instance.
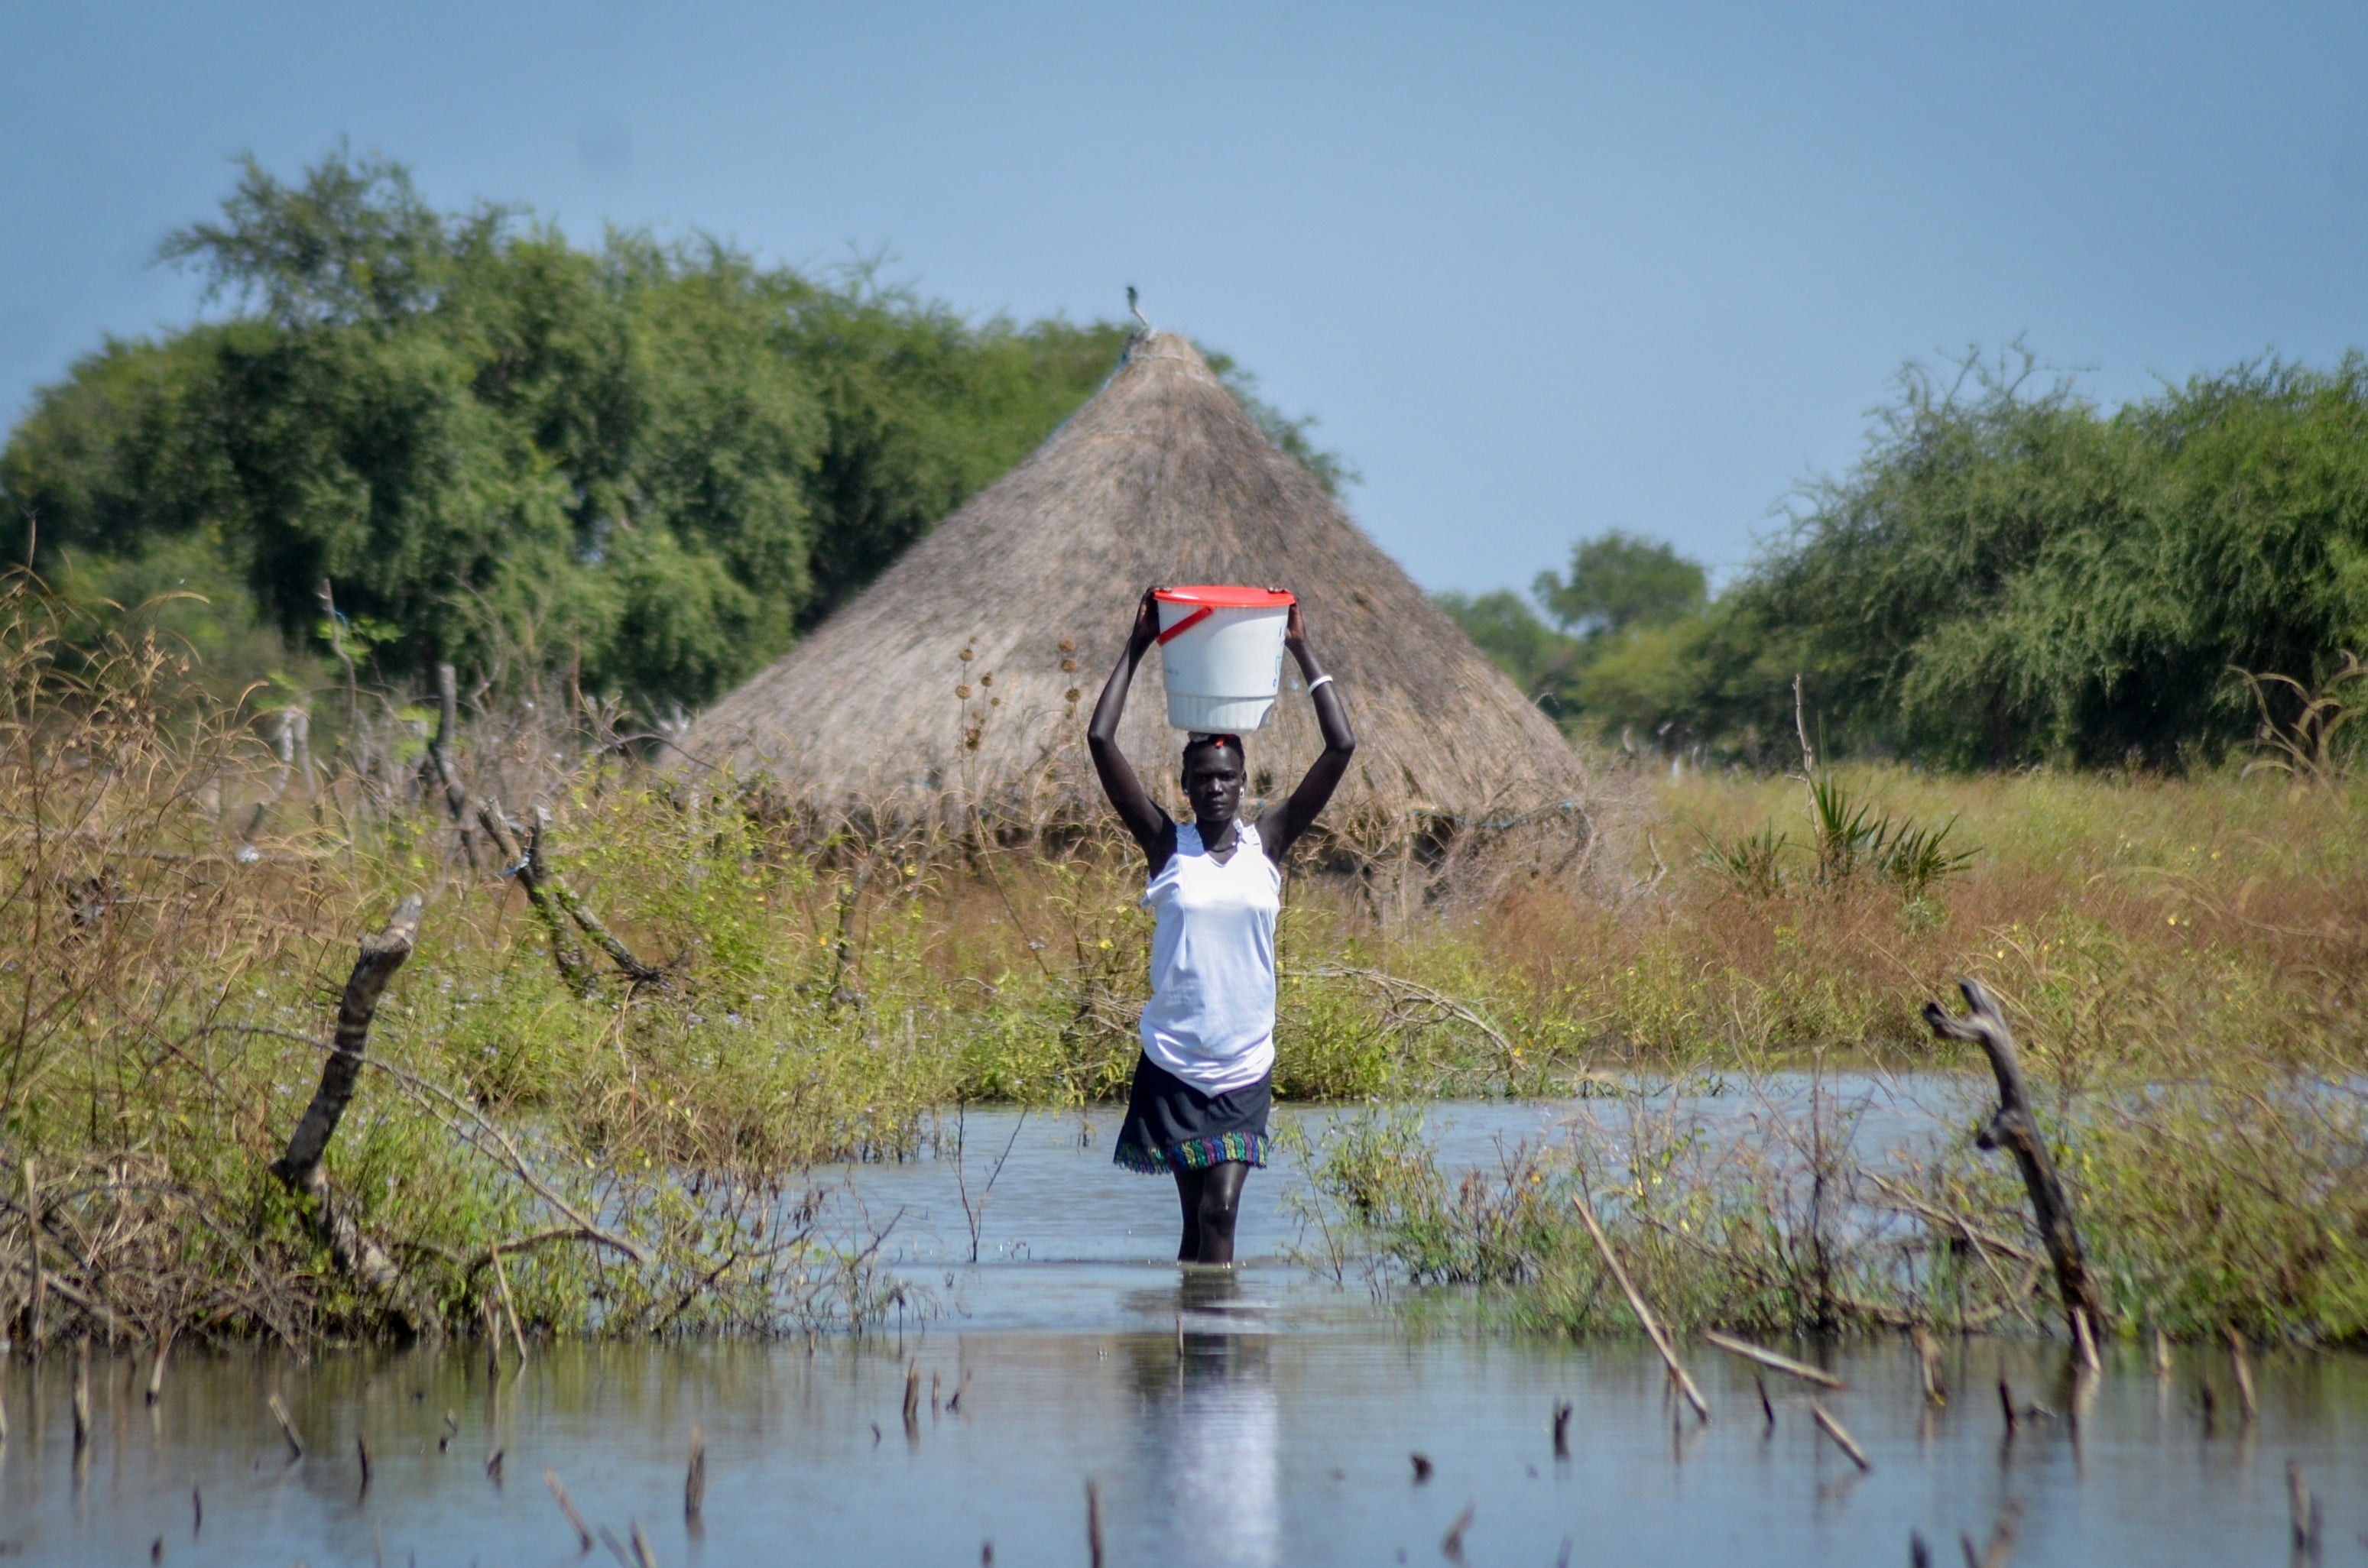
{"points": [[2011, 573], [649, 465], [1617, 581], [1543, 663]]}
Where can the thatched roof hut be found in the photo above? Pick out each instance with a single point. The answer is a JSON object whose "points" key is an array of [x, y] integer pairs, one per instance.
{"points": [[1022, 598]]}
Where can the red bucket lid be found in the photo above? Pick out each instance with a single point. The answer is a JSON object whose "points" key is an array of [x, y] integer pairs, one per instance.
{"points": [[1221, 597]]}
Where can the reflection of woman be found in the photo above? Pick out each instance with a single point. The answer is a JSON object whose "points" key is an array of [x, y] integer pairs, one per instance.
{"points": [[1209, 1425], [1205, 1079]]}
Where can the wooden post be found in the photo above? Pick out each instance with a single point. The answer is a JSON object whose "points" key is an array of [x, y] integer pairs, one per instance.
{"points": [[2014, 1128]]}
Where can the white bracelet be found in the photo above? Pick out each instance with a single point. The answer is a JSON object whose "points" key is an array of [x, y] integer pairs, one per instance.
{"points": [[1312, 685]]}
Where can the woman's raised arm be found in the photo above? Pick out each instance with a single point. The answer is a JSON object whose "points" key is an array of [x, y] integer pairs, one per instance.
{"points": [[1300, 811], [1152, 828]]}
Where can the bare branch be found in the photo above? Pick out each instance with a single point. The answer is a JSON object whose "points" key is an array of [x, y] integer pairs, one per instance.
{"points": [[2016, 1130]]}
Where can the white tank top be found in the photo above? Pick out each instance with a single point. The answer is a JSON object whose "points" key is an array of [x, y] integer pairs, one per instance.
{"points": [[1211, 1019]]}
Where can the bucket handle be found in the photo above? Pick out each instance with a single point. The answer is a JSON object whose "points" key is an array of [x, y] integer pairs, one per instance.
{"points": [[1190, 621]]}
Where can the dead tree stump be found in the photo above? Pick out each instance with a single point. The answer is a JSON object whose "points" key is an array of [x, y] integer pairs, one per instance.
{"points": [[299, 1169], [2014, 1128]]}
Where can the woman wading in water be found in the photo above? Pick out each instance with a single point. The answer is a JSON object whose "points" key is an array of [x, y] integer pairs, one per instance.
{"points": [[1206, 1076]]}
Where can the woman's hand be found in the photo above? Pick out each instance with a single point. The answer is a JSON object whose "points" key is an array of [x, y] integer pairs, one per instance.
{"points": [[1144, 819], [1146, 622], [1300, 811]]}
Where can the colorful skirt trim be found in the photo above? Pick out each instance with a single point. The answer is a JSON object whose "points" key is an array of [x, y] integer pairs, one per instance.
{"points": [[1195, 1153], [1172, 1126]]}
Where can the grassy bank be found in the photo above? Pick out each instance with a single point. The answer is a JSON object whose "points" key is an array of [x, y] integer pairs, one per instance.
{"points": [[183, 906], [2183, 960]]}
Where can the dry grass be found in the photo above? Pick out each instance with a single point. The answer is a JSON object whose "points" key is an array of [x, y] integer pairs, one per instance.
{"points": [[2182, 961], [181, 910]]}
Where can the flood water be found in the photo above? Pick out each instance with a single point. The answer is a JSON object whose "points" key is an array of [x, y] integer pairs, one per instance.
{"points": [[1264, 1416]]}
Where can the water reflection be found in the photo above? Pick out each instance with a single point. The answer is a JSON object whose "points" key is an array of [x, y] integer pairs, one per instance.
{"points": [[1208, 1422], [1249, 1416]]}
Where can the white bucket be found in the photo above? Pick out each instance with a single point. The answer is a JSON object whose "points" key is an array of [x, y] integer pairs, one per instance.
{"points": [[1221, 649]]}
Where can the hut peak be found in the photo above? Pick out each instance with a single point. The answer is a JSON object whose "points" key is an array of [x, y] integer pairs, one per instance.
{"points": [[967, 672]]}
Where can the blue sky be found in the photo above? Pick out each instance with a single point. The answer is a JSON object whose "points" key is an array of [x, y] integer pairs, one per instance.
{"points": [[1542, 271]]}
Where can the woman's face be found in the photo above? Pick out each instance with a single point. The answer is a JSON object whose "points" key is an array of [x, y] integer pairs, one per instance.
{"points": [[1212, 782]]}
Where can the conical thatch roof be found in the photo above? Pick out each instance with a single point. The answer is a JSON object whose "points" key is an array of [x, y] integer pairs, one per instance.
{"points": [[1161, 477]]}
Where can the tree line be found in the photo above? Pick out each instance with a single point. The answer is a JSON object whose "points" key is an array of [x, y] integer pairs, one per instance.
{"points": [[415, 436], [2008, 574]]}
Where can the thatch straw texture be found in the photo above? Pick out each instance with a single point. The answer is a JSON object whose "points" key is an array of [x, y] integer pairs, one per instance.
{"points": [[1161, 477]]}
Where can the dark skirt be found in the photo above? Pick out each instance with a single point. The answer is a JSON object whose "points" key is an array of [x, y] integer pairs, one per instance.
{"points": [[1172, 1126]]}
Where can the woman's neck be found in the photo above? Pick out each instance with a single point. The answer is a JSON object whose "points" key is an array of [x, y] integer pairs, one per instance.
{"points": [[1216, 834]]}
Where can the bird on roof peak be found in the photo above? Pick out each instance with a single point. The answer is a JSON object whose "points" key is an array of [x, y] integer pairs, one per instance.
{"points": [[1136, 308]]}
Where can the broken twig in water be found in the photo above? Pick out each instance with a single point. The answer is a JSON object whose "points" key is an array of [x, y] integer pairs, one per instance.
{"points": [[913, 1399], [567, 1507], [1928, 1362], [2303, 1509], [509, 1307], [1562, 1429], [2086, 1341], [1451, 1545], [33, 1256], [1842, 1439], [2015, 1128], [694, 1481], [82, 1394], [287, 1428], [1772, 1360], [2001, 1546], [156, 1367], [1637, 1302], [2244, 1370], [1093, 1523]]}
